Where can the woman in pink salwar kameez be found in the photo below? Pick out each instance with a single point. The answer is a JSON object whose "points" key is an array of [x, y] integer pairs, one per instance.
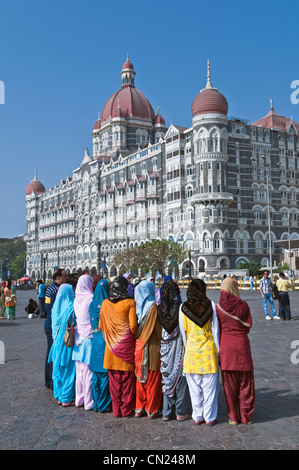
{"points": [[83, 339]]}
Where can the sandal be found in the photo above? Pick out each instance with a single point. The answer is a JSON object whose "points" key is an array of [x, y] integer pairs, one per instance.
{"points": [[232, 423], [72, 403]]}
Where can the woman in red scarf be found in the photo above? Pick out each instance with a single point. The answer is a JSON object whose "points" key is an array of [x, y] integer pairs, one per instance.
{"points": [[235, 353]]}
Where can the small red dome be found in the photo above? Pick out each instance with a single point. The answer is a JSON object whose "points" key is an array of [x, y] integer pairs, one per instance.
{"points": [[128, 65], [36, 187], [208, 101], [97, 125], [159, 119]]}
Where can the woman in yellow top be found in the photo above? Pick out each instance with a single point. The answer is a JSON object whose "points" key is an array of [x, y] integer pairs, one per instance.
{"points": [[200, 330], [283, 286]]}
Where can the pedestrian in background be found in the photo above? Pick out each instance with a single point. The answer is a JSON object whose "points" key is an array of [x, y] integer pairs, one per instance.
{"points": [[118, 323], [100, 378], [2, 300], [83, 342], [266, 291], [10, 300], [200, 331], [41, 298], [235, 354], [128, 276], [283, 286]]}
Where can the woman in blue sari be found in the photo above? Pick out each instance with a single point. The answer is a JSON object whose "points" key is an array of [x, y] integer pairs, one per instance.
{"points": [[64, 368], [100, 379]]}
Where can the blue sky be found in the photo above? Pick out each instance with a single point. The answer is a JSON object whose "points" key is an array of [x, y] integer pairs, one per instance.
{"points": [[60, 61]]}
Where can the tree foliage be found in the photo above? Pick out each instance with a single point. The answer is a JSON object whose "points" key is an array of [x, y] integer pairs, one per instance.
{"points": [[12, 256], [154, 255], [253, 267]]}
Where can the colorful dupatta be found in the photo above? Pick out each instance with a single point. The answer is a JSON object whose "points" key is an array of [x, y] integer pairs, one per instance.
{"points": [[232, 305], [149, 329], [116, 332]]}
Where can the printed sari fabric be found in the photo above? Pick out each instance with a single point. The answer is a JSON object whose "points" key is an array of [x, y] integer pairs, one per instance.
{"points": [[172, 347]]}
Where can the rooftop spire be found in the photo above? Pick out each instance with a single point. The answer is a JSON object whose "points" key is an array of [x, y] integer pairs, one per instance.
{"points": [[35, 174], [271, 104], [209, 84], [128, 72]]}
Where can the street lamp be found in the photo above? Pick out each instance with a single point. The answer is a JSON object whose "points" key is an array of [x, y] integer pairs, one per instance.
{"points": [[45, 256], [267, 167]]}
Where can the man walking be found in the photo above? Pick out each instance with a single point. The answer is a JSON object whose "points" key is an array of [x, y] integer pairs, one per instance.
{"points": [[265, 288], [59, 277], [283, 285]]}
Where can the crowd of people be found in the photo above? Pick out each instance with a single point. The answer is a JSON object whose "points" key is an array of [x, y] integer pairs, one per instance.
{"points": [[142, 351]]}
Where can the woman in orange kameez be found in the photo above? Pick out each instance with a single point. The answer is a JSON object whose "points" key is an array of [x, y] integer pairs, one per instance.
{"points": [[147, 352], [118, 323]]}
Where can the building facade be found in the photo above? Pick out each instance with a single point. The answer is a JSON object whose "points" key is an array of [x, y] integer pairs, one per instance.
{"points": [[225, 189]]}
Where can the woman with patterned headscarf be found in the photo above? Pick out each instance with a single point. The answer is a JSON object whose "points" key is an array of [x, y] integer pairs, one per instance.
{"points": [[118, 323], [200, 331], [147, 352], [235, 353], [174, 385]]}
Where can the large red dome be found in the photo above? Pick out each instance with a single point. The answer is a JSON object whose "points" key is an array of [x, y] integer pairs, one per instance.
{"points": [[209, 101], [132, 102], [128, 99]]}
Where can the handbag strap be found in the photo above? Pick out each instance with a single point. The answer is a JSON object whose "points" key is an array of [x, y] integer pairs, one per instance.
{"points": [[73, 319]]}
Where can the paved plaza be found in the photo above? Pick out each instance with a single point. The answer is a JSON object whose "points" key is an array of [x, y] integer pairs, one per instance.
{"points": [[30, 418]]}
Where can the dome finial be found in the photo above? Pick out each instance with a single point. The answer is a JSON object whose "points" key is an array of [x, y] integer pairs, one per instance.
{"points": [[271, 104], [128, 56], [35, 174], [209, 84]]}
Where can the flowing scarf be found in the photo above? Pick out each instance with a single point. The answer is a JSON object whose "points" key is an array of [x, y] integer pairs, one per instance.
{"points": [[100, 294], [146, 311], [232, 305], [118, 289], [198, 307], [83, 299], [116, 331], [62, 311]]}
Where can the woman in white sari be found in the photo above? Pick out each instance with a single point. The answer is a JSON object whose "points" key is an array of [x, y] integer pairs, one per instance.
{"points": [[83, 342]]}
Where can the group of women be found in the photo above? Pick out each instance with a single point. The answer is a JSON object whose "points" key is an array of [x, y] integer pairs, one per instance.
{"points": [[7, 300], [138, 354]]}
